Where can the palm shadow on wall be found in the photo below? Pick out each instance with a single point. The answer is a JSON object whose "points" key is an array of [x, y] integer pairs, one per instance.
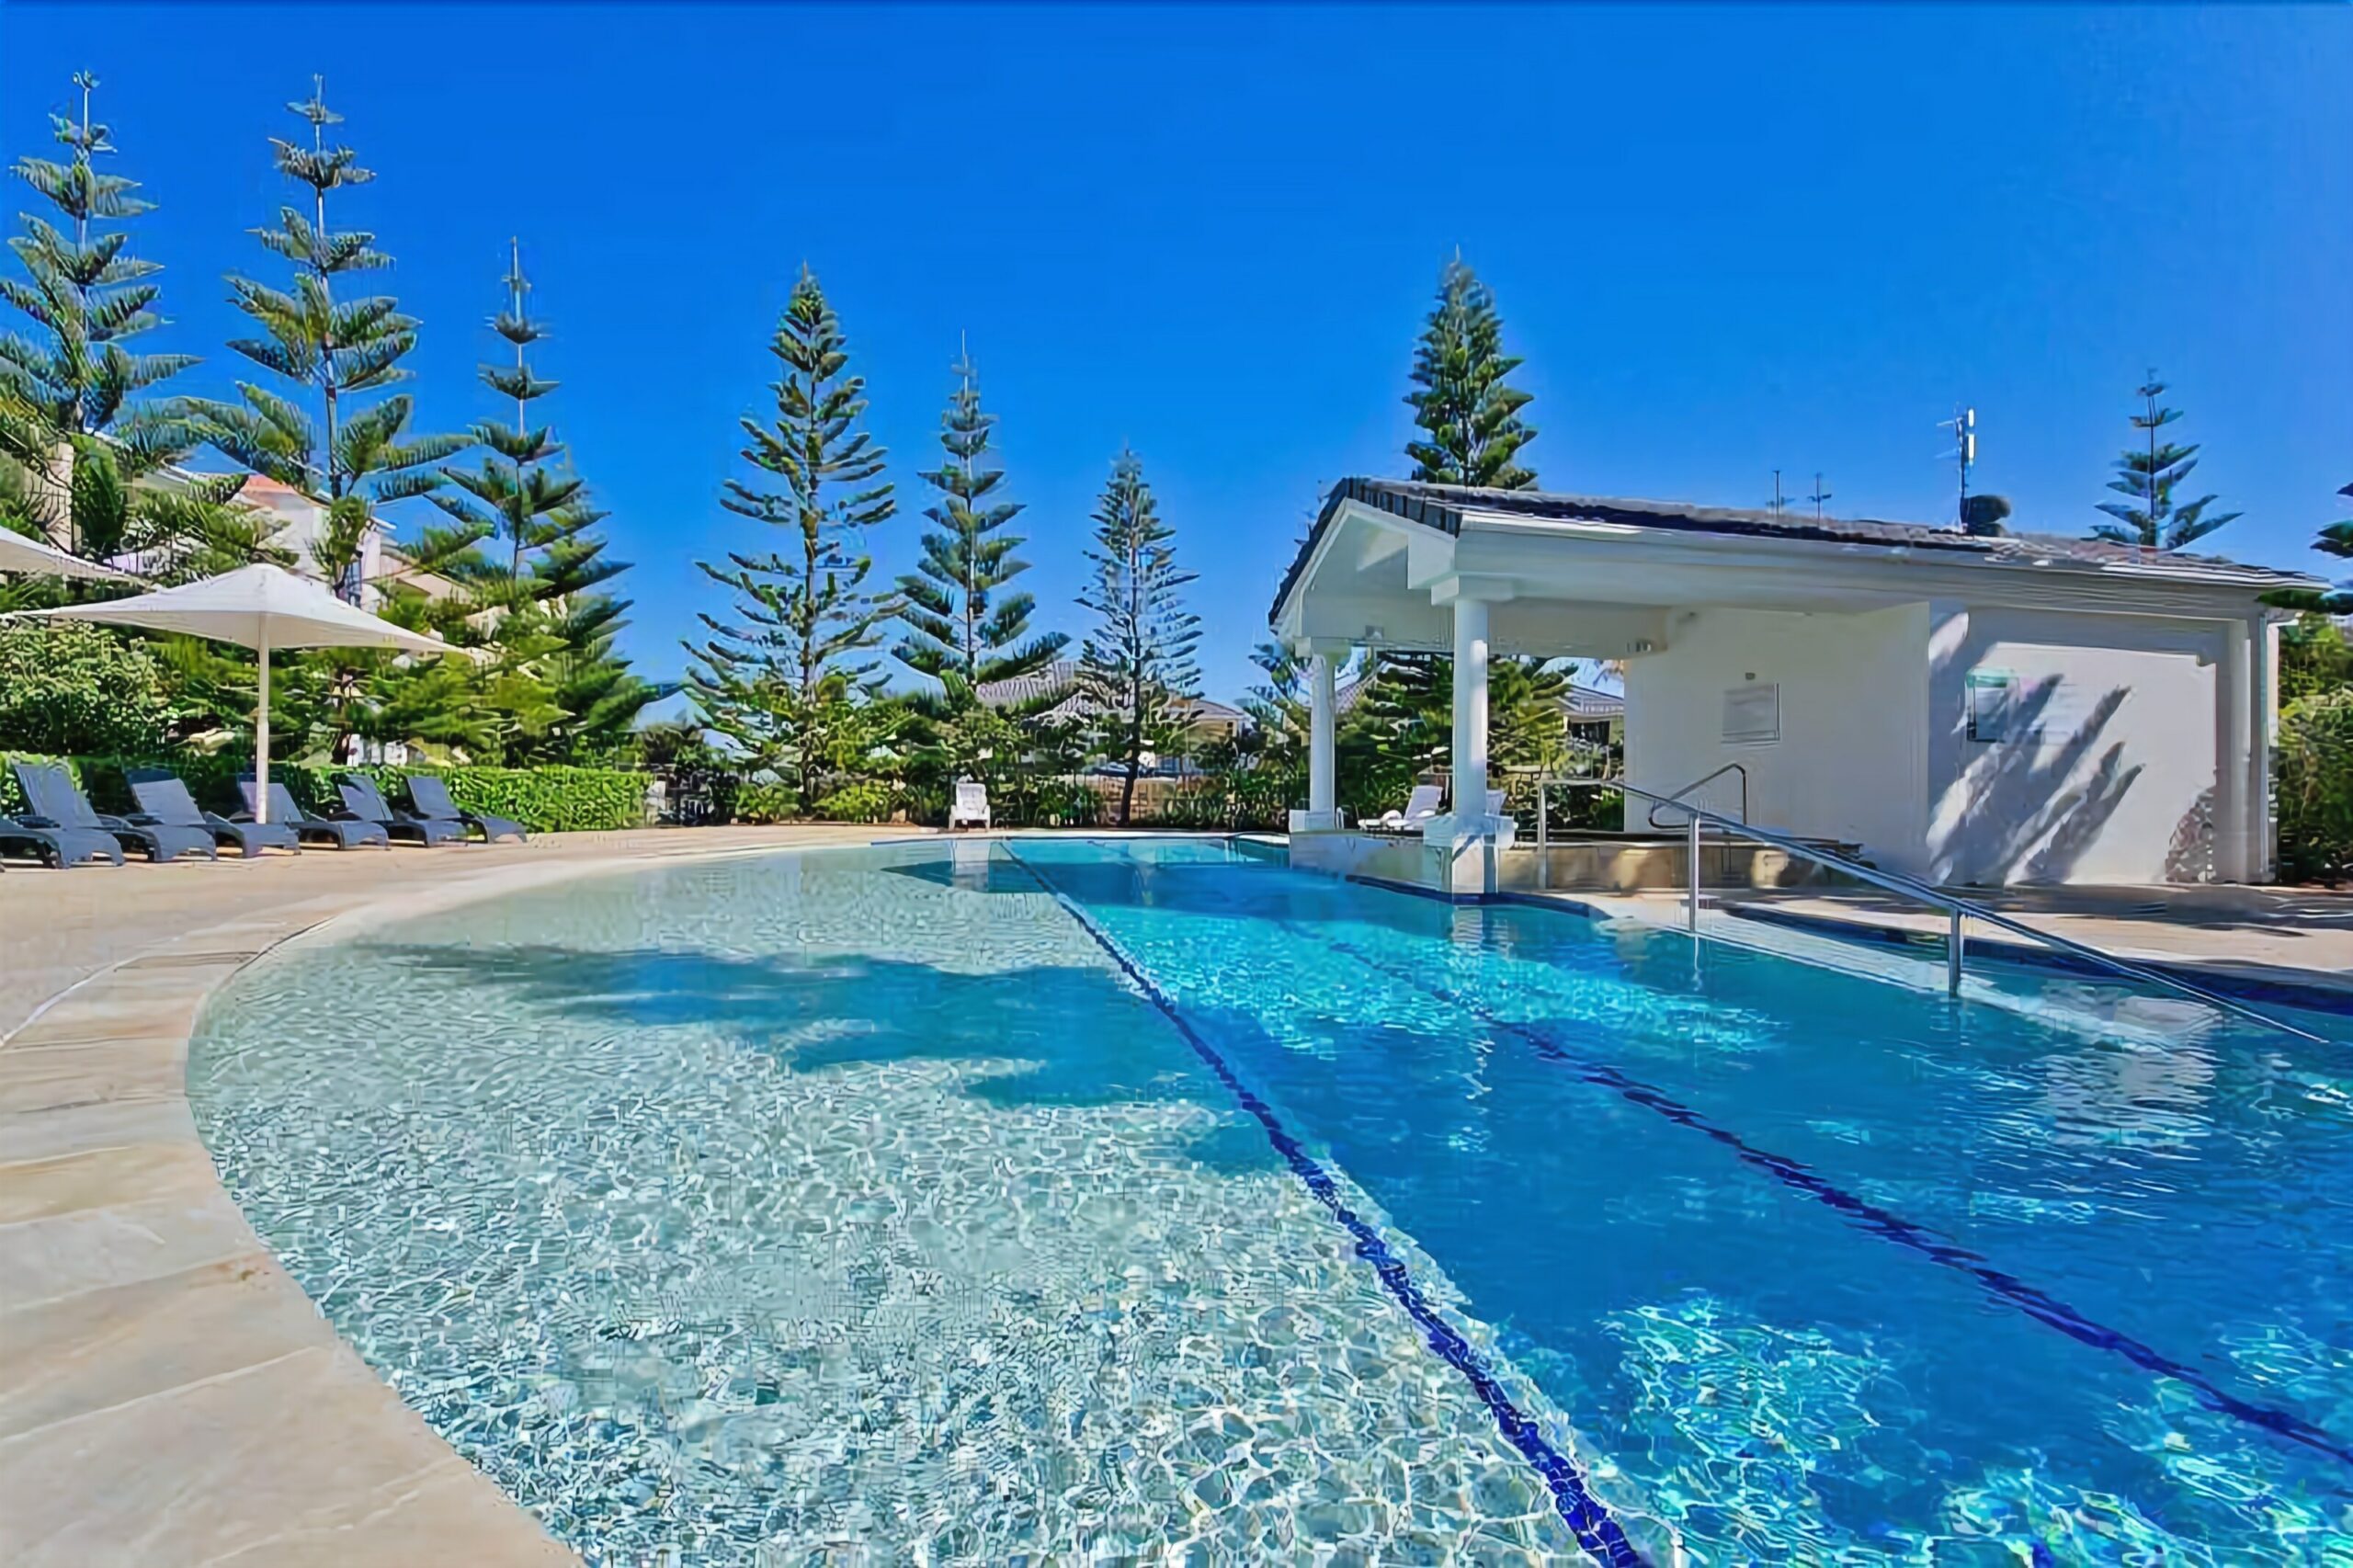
{"points": [[2029, 817]]}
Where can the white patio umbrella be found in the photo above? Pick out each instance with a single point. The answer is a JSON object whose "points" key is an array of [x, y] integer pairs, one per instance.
{"points": [[259, 607], [33, 557]]}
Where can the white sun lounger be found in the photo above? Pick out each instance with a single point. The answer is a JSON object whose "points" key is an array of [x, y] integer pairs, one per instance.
{"points": [[1420, 807], [971, 807]]}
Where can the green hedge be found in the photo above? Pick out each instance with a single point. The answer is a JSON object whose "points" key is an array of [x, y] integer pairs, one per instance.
{"points": [[544, 799], [2316, 789]]}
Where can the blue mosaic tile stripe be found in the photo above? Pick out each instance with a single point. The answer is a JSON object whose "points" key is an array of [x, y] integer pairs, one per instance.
{"points": [[2034, 1301], [1587, 1518]]}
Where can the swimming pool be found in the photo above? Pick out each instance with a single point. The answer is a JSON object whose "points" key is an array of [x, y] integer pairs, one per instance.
{"points": [[1073, 1199]]}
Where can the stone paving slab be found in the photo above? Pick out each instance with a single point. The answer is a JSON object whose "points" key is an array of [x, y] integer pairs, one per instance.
{"points": [[167, 1393]]}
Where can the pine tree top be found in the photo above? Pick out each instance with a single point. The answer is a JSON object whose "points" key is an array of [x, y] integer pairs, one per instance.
{"points": [[2146, 474], [1471, 413]]}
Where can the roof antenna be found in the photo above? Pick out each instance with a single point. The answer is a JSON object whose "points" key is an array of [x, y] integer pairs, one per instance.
{"points": [[1964, 425]]}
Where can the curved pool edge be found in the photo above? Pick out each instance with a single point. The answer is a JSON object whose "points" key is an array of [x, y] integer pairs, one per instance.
{"points": [[168, 1393]]}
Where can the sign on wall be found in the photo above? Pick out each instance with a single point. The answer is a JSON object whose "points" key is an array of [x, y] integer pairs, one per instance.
{"points": [[1753, 714], [1993, 704]]}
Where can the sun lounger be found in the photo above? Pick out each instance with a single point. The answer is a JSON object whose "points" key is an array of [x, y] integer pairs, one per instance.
{"points": [[428, 800], [164, 802], [60, 848], [344, 833], [971, 807], [58, 805], [1420, 807], [364, 801]]}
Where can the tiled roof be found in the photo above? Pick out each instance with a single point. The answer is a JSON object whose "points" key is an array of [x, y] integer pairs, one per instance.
{"points": [[1442, 506]]}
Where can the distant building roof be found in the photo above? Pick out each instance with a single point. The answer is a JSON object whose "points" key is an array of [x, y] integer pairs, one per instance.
{"points": [[1442, 506], [1591, 704]]}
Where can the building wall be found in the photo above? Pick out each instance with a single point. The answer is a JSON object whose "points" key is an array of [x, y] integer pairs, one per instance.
{"points": [[1851, 759], [2107, 772], [2102, 771]]}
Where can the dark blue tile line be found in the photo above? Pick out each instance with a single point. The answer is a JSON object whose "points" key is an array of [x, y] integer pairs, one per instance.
{"points": [[2034, 1301], [1436, 895], [2330, 999], [1584, 1513]]}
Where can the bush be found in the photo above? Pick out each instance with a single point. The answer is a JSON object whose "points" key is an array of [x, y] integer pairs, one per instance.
{"points": [[68, 688], [869, 799], [544, 799], [2316, 789], [765, 802]]}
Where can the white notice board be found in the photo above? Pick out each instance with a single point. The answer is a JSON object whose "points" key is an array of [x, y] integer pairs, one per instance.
{"points": [[1753, 714]]}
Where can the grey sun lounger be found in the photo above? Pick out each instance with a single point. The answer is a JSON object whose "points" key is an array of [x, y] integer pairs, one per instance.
{"points": [[341, 831], [59, 806], [164, 802], [364, 801], [428, 800], [62, 847]]}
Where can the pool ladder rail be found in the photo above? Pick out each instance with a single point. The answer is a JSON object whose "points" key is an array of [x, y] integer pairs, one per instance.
{"points": [[1959, 910]]}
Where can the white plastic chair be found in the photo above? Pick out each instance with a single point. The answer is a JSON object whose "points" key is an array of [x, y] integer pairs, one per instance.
{"points": [[1420, 807], [971, 807]]}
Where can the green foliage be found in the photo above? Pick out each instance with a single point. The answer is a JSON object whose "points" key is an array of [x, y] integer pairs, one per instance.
{"points": [[544, 799], [335, 349], [1403, 728], [2315, 657], [2146, 476], [765, 802], [869, 800], [82, 453], [67, 687], [2316, 788], [1472, 415], [1138, 663], [961, 633], [785, 675], [564, 692], [89, 296]]}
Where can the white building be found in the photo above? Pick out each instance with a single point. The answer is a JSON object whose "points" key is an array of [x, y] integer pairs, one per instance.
{"points": [[1968, 708]]}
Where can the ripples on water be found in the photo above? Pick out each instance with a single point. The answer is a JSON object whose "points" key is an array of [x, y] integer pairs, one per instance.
{"points": [[799, 1207]]}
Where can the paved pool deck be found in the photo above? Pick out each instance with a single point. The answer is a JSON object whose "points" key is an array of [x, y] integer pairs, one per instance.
{"points": [[168, 1395], [2290, 946]]}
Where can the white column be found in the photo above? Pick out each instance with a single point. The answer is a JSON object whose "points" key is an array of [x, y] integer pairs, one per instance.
{"points": [[2263, 849], [1469, 754], [1323, 764], [2234, 694]]}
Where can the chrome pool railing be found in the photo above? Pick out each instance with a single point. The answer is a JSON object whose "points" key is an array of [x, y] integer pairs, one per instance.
{"points": [[1958, 909]]}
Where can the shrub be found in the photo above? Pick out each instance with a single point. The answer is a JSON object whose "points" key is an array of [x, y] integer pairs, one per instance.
{"points": [[2316, 789], [67, 688], [763, 801], [869, 799], [544, 799]]}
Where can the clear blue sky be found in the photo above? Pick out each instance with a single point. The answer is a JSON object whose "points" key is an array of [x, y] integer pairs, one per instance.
{"points": [[1725, 240]]}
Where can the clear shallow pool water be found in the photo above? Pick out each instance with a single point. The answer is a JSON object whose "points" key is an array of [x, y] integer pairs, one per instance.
{"points": [[769, 1209]]}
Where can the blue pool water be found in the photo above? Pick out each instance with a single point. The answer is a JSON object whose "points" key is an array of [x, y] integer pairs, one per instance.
{"points": [[1052, 1199]]}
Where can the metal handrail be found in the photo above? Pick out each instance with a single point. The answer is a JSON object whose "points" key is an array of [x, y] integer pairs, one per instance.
{"points": [[1675, 800], [1961, 909]]}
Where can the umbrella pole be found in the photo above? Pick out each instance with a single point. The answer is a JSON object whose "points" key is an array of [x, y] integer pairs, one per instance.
{"points": [[261, 739]]}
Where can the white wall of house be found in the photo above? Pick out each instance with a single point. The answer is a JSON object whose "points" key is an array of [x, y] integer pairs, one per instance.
{"points": [[1850, 761], [2103, 770], [2107, 772]]}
